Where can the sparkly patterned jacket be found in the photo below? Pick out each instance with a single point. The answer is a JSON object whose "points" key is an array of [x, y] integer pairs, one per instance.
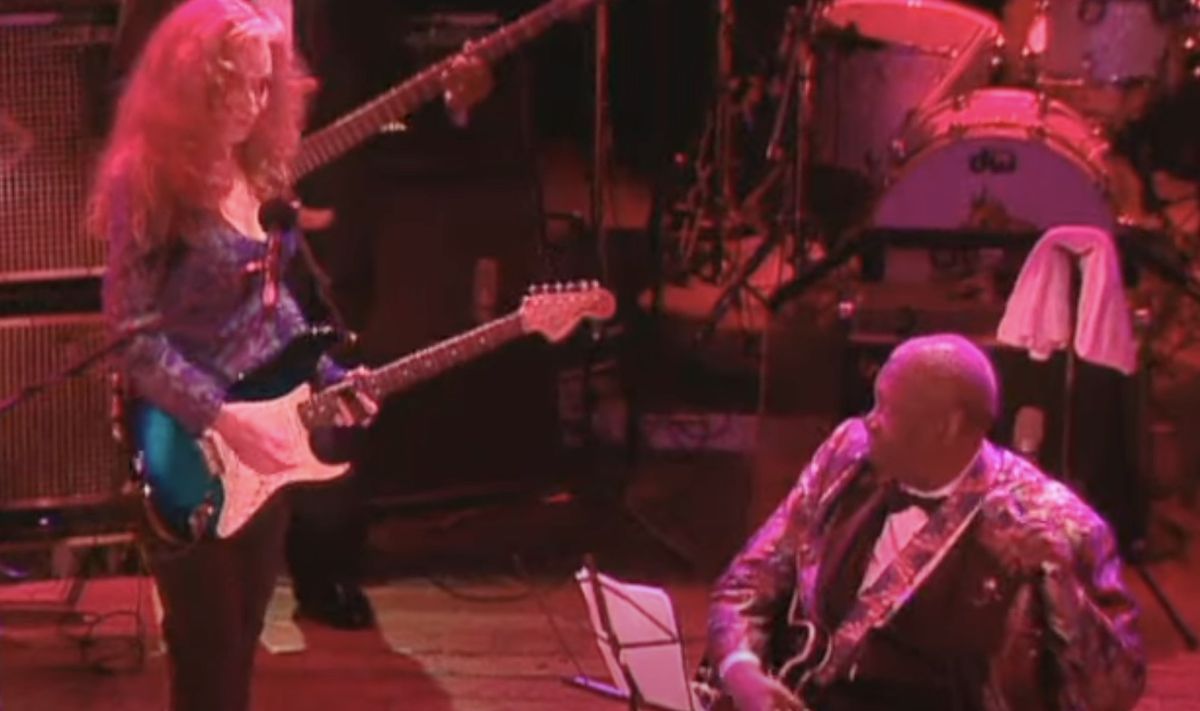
{"points": [[1067, 636], [214, 324]]}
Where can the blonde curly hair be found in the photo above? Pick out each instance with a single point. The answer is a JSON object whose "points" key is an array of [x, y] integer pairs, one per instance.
{"points": [[167, 158]]}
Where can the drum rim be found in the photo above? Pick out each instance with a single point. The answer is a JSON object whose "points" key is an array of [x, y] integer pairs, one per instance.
{"points": [[1091, 150], [980, 18]]}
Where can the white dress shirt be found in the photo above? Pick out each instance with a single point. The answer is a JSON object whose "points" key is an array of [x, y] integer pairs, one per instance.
{"points": [[900, 527]]}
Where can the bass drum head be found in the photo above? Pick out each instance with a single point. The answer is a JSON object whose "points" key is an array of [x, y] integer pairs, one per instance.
{"points": [[1000, 159]]}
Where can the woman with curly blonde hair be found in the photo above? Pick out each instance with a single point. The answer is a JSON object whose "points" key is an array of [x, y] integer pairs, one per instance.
{"points": [[205, 131], [215, 104]]}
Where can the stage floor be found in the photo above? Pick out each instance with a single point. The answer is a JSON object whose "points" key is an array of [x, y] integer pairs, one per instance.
{"points": [[489, 641]]}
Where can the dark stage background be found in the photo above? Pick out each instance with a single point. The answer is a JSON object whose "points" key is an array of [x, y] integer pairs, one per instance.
{"points": [[426, 213]]}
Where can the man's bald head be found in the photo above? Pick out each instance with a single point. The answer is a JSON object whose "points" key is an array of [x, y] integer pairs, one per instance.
{"points": [[935, 400], [947, 371]]}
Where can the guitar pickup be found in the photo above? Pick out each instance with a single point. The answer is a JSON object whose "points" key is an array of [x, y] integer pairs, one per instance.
{"points": [[212, 456]]}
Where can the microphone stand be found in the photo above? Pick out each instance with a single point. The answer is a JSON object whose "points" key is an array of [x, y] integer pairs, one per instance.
{"points": [[601, 143], [601, 138], [125, 333], [278, 216]]}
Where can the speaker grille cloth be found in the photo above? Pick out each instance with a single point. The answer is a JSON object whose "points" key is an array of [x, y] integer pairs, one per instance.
{"points": [[47, 147], [56, 448]]}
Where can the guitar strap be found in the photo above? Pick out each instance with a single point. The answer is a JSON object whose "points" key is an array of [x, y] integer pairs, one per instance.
{"points": [[877, 604], [322, 287]]}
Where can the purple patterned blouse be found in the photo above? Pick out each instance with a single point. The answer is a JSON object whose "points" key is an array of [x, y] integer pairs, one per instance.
{"points": [[214, 323]]}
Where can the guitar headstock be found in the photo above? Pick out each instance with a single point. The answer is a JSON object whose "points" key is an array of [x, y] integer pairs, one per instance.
{"points": [[554, 310]]}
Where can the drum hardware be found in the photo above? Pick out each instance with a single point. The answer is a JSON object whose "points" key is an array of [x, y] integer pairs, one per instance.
{"points": [[900, 114], [787, 161], [701, 221]]}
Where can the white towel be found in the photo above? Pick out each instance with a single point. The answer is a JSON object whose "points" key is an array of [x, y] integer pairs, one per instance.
{"points": [[1038, 314]]}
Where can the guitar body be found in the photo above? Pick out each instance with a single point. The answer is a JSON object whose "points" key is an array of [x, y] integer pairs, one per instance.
{"points": [[197, 487]]}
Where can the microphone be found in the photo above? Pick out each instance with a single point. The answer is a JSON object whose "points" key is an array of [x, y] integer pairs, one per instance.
{"points": [[1029, 428], [278, 215]]}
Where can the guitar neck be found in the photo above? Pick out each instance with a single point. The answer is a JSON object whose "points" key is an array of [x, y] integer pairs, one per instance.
{"points": [[328, 143], [321, 408]]}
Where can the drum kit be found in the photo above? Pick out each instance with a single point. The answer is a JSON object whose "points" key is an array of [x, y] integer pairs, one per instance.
{"points": [[941, 116], [948, 113]]}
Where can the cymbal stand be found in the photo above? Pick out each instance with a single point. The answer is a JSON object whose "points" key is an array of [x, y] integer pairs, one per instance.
{"points": [[790, 225], [711, 203]]}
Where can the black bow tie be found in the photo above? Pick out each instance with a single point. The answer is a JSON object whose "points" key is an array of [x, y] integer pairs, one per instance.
{"points": [[897, 499]]}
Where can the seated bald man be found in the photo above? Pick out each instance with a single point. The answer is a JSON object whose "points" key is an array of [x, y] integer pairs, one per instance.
{"points": [[916, 565]]}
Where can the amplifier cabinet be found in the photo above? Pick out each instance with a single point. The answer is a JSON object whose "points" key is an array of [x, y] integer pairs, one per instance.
{"points": [[56, 448], [54, 94]]}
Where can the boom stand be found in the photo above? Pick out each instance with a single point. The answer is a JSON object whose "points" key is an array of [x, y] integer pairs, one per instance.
{"points": [[601, 143]]}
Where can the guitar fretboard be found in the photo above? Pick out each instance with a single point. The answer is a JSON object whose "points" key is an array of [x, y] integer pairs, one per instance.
{"points": [[324, 145], [321, 409]]}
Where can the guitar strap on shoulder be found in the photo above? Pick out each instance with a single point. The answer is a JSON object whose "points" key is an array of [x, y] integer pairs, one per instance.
{"points": [[920, 557]]}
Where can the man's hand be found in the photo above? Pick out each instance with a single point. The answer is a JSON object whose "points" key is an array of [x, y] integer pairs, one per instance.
{"points": [[466, 82], [752, 690]]}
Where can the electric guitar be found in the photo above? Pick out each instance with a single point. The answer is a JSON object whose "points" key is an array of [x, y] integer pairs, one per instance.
{"points": [[808, 654], [198, 487], [334, 140]]}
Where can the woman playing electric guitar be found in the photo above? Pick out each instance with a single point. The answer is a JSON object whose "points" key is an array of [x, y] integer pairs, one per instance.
{"points": [[207, 129]]}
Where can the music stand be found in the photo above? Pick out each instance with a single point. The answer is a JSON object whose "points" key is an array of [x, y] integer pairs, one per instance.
{"points": [[635, 628]]}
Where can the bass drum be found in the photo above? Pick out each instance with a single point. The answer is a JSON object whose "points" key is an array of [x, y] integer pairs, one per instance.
{"points": [[998, 157], [996, 160]]}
